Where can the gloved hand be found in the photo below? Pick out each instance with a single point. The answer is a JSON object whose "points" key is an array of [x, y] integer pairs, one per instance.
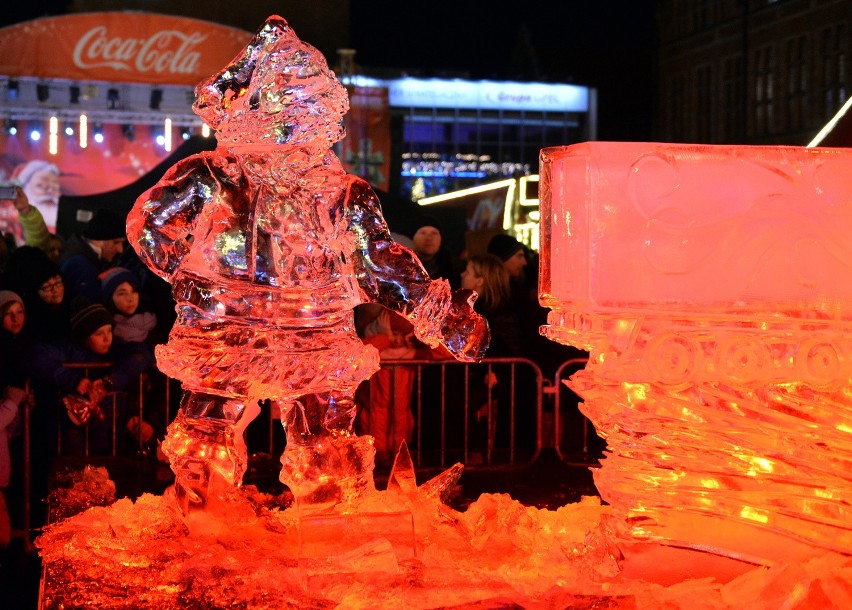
{"points": [[81, 409]]}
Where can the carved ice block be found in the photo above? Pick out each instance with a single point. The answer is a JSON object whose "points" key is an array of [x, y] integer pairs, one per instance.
{"points": [[712, 286]]}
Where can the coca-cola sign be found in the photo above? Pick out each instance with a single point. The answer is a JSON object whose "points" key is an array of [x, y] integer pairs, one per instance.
{"points": [[115, 46], [165, 51]]}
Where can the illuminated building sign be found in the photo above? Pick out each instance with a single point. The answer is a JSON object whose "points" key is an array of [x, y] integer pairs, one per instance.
{"points": [[487, 95]]}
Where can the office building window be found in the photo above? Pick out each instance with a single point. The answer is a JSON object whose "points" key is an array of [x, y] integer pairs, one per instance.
{"points": [[764, 92], [798, 83], [732, 102]]}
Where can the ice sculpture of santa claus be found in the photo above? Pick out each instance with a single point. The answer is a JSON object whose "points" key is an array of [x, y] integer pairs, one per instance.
{"points": [[269, 245]]}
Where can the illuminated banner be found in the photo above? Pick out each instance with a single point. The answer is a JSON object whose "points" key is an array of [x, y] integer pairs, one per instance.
{"points": [[115, 46], [74, 171], [488, 95], [366, 147]]}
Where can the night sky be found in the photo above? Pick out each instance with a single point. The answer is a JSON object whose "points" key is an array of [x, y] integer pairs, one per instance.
{"points": [[608, 45]]}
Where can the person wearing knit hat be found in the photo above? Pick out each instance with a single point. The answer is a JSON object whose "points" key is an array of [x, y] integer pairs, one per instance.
{"points": [[13, 341], [424, 220], [428, 246], [38, 281], [510, 251], [7, 298], [92, 395], [105, 225], [89, 324], [13, 394], [92, 252], [112, 278], [121, 297], [28, 269], [427, 238], [11, 312]]}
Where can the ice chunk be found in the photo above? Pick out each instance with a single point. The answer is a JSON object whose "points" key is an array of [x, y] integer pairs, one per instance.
{"points": [[712, 286], [402, 477], [77, 490]]}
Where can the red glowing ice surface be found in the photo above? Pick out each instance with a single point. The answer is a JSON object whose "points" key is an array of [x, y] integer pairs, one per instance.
{"points": [[712, 286]]}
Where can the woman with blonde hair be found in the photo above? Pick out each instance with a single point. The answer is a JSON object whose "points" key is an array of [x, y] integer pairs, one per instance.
{"points": [[491, 400], [486, 275]]}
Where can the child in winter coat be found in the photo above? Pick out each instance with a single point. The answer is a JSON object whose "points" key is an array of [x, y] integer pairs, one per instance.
{"points": [[85, 372], [133, 322], [14, 394]]}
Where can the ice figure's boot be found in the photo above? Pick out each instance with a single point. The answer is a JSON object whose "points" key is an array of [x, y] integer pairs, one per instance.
{"points": [[325, 463], [207, 451]]}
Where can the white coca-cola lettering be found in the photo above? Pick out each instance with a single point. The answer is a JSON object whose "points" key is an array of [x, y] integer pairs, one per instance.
{"points": [[166, 51]]}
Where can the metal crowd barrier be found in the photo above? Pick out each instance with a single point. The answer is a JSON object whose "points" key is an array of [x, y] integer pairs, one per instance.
{"points": [[511, 431], [441, 403], [445, 427], [561, 397], [27, 437], [86, 367], [503, 426]]}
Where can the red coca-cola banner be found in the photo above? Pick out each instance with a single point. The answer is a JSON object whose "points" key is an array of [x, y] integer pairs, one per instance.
{"points": [[116, 46]]}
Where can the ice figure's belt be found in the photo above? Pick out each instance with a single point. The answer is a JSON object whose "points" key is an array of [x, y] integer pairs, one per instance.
{"points": [[310, 305]]}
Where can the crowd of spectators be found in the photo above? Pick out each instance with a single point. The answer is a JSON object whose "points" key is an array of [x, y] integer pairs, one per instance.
{"points": [[76, 344], [505, 278]]}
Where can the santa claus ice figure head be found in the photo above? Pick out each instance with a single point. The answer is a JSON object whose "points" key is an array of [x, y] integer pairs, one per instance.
{"points": [[279, 91]]}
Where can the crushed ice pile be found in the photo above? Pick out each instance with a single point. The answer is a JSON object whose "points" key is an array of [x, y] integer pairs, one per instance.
{"points": [[402, 548]]}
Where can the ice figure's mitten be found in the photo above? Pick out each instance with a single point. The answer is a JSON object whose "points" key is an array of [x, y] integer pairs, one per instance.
{"points": [[464, 332], [447, 318]]}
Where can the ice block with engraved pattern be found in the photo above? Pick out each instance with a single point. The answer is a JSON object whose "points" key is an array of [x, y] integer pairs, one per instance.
{"points": [[712, 286]]}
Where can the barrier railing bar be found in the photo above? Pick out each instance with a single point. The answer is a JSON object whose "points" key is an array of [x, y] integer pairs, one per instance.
{"points": [[419, 417], [418, 366], [417, 405], [557, 410]]}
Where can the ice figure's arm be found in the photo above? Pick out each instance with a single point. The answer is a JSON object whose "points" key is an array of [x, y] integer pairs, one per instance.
{"points": [[391, 275], [160, 225]]}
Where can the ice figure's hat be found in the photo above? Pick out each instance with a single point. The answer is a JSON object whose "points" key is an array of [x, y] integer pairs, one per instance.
{"points": [[278, 90]]}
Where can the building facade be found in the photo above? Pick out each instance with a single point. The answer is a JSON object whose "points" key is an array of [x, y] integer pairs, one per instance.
{"points": [[758, 72], [449, 134]]}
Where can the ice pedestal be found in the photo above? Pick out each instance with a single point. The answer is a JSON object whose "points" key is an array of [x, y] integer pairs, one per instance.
{"points": [[712, 286], [498, 553]]}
